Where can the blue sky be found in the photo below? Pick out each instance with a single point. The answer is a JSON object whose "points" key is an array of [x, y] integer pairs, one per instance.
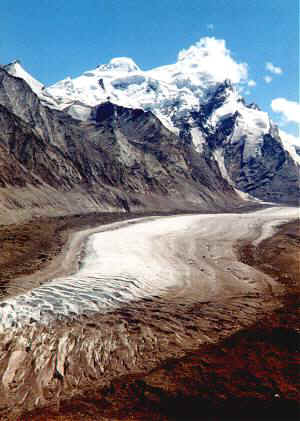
{"points": [[59, 38]]}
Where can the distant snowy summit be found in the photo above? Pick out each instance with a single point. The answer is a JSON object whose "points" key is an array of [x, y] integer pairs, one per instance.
{"points": [[199, 99], [174, 93], [16, 69], [123, 64], [171, 92]]}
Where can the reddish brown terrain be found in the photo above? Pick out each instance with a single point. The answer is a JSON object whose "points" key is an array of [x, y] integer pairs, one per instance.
{"points": [[250, 376]]}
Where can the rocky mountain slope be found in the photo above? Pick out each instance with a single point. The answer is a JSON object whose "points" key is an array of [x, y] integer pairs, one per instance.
{"points": [[121, 159], [252, 155], [119, 137]]}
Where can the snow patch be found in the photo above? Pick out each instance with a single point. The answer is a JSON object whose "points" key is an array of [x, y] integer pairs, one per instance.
{"points": [[219, 157], [15, 69], [122, 64], [198, 138]]}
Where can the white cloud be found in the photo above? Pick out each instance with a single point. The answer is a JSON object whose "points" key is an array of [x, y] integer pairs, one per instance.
{"points": [[210, 26], [290, 143], [290, 110], [214, 61], [273, 69], [268, 79], [251, 83], [293, 140]]}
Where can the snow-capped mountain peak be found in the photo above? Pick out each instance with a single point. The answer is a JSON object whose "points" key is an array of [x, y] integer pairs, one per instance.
{"points": [[177, 94], [171, 92], [202, 105], [16, 69], [121, 64], [185, 92]]}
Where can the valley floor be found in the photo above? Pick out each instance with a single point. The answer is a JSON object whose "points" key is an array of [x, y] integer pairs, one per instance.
{"points": [[248, 376]]}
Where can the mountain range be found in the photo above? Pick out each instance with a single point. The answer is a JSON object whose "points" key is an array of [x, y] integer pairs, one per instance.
{"points": [[117, 137]]}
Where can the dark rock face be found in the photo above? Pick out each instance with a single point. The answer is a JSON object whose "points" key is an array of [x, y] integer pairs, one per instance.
{"points": [[253, 106], [297, 148], [122, 159], [269, 174], [221, 135], [101, 84], [217, 99]]}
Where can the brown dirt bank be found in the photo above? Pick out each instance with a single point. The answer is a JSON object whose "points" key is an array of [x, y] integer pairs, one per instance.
{"points": [[249, 376]]}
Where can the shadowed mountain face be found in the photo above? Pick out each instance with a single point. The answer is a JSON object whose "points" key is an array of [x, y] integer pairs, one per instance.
{"points": [[249, 148], [122, 159]]}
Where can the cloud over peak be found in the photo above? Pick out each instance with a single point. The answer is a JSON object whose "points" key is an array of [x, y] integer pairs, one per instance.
{"points": [[290, 110], [214, 60]]}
